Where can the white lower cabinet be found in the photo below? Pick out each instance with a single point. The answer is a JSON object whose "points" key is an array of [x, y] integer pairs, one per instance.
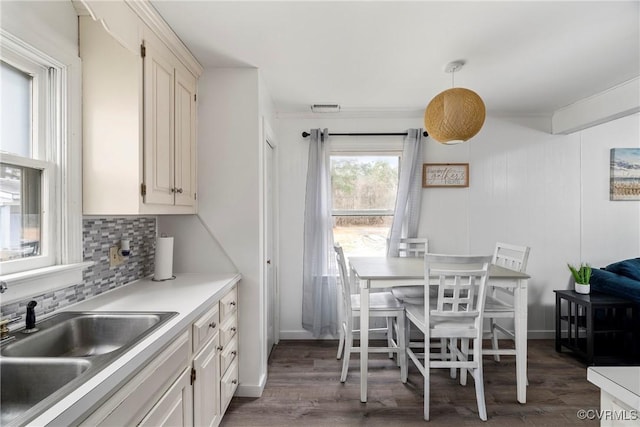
{"points": [[206, 387], [215, 349], [190, 383], [175, 406], [131, 404]]}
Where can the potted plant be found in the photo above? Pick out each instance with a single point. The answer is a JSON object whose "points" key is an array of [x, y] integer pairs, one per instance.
{"points": [[581, 276]]}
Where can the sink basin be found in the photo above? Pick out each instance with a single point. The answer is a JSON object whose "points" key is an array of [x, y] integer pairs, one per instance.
{"points": [[75, 334], [38, 369], [25, 382]]}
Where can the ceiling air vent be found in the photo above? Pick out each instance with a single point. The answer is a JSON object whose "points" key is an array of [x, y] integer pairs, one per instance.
{"points": [[325, 108]]}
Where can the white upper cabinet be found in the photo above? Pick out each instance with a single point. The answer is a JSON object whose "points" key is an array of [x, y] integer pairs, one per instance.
{"points": [[139, 113]]}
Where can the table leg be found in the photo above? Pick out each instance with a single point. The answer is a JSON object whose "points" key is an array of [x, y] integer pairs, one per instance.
{"points": [[521, 307], [364, 341]]}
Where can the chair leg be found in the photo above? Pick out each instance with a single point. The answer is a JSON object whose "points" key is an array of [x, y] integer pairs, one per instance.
{"points": [[427, 369], [348, 343], [390, 335], [464, 349], [453, 372], [494, 338], [478, 377], [341, 343], [402, 347]]}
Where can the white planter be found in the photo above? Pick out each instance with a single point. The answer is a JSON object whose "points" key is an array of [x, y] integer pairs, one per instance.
{"points": [[582, 289]]}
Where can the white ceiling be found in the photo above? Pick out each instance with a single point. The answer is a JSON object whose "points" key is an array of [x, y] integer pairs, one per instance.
{"points": [[522, 57]]}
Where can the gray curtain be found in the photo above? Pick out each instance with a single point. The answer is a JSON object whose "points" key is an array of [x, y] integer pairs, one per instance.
{"points": [[406, 216], [319, 271]]}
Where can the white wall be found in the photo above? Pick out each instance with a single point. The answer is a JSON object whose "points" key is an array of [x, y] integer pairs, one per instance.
{"points": [[549, 192], [226, 235], [51, 26]]}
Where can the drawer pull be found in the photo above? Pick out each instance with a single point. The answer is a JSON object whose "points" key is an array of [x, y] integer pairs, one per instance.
{"points": [[212, 325], [234, 381], [233, 329], [219, 348]]}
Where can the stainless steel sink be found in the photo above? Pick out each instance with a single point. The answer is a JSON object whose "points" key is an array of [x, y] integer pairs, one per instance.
{"points": [[25, 382], [39, 369], [82, 334]]}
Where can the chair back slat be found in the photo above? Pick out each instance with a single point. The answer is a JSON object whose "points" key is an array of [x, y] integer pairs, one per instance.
{"points": [[345, 286], [413, 247], [510, 256], [461, 284]]}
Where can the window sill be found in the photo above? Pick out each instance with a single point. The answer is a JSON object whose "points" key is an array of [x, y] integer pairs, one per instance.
{"points": [[42, 280]]}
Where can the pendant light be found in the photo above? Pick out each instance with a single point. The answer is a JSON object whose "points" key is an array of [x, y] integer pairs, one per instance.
{"points": [[455, 115]]}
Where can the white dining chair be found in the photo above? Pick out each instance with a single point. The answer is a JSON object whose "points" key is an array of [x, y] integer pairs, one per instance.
{"points": [[499, 304], [415, 247], [382, 304], [454, 315]]}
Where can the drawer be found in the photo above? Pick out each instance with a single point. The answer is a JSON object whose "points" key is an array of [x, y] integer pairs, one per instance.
{"points": [[228, 355], [228, 385], [229, 304], [228, 330], [205, 327]]}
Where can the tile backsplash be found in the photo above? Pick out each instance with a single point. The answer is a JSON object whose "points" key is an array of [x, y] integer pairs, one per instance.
{"points": [[98, 234]]}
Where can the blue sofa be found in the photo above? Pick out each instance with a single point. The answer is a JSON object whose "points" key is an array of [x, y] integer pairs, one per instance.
{"points": [[621, 279]]}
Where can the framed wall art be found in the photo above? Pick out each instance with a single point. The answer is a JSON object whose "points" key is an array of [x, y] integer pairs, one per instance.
{"points": [[625, 174], [445, 175]]}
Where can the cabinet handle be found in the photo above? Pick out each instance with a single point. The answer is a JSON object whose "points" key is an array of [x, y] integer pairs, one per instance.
{"points": [[173, 190], [232, 303], [233, 329], [179, 190], [234, 353], [219, 348], [234, 381], [212, 325]]}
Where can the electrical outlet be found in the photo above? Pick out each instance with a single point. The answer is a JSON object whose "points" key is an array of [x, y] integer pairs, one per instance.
{"points": [[115, 257]]}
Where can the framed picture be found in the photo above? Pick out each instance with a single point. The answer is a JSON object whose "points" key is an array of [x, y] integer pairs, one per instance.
{"points": [[445, 175], [625, 174]]}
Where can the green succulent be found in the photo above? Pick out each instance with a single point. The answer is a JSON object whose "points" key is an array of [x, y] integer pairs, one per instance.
{"points": [[581, 274]]}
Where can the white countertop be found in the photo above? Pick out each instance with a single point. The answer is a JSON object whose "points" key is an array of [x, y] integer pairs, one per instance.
{"points": [[622, 382], [189, 295]]}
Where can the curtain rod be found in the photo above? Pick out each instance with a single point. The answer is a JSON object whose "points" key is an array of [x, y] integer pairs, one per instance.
{"points": [[306, 134]]}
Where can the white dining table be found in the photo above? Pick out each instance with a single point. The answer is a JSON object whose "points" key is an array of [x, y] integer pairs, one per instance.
{"points": [[386, 272]]}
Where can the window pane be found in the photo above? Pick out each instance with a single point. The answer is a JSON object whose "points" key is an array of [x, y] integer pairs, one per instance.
{"points": [[364, 182], [362, 235], [20, 211], [15, 111]]}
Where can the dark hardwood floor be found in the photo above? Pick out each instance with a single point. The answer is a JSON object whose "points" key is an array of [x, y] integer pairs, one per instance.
{"points": [[303, 389]]}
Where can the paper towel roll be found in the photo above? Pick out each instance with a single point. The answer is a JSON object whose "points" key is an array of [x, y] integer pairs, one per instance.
{"points": [[164, 259]]}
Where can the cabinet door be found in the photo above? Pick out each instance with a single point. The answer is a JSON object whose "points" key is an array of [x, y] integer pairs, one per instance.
{"points": [[175, 408], [206, 388], [158, 126], [185, 138]]}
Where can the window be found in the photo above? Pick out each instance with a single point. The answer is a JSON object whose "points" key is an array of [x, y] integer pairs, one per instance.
{"points": [[40, 168], [364, 188], [27, 116]]}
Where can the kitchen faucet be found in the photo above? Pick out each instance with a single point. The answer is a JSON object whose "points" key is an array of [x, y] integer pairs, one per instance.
{"points": [[30, 319]]}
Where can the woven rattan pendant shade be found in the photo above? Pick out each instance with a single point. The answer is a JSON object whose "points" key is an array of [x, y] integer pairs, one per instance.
{"points": [[454, 115]]}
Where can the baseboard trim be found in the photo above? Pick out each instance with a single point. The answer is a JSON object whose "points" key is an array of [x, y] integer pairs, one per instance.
{"points": [[251, 390], [306, 335]]}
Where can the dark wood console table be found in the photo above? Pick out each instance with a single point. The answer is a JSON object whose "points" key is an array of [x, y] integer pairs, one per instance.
{"points": [[599, 328]]}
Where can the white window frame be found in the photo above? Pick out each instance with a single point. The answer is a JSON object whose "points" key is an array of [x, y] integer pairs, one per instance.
{"points": [[44, 148], [56, 150]]}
